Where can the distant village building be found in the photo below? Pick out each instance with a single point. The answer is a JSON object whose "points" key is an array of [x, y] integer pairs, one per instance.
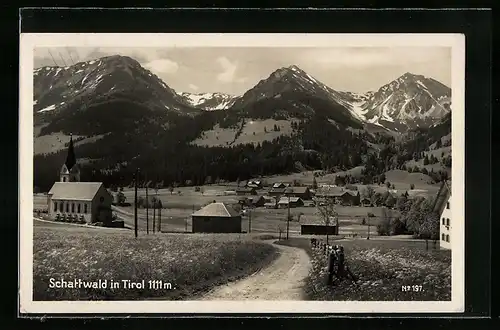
{"points": [[257, 184], [316, 226], [280, 185], [242, 191], [303, 192], [293, 201], [443, 207], [340, 195], [276, 191], [78, 201], [256, 201], [270, 202], [216, 218]]}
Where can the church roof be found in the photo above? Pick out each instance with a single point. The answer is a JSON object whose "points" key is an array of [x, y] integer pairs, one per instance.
{"points": [[82, 191], [217, 210]]}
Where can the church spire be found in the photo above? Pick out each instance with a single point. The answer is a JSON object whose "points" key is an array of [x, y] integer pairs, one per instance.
{"points": [[70, 158]]}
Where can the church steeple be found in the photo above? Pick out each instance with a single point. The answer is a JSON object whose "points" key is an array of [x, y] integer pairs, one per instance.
{"points": [[70, 171], [70, 158]]}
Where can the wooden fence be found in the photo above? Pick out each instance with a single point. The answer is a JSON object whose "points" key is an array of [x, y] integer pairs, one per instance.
{"points": [[333, 257]]}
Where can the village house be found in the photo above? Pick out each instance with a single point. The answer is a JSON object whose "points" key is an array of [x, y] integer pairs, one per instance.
{"points": [[76, 201], [216, 218], [252, 201], [310, 225], [277, 192], [280, 185], [303, 192], [443, 207], [270, 202], [293, 201], [340, 195], [257, 184], [244, 191]]}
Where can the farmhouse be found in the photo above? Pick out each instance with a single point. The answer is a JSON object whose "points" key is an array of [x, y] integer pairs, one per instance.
{"points": [[277, 191], [253, 201], [303, 192], [443, 207], [216, 218], [340, 195], [257, 184], [293, 201], [72, 199], [242, 191], [270, 202], [316, 226], [280, 185]]}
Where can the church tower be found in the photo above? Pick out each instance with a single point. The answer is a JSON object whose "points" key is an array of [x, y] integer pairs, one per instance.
{"points": [[70, 172]]}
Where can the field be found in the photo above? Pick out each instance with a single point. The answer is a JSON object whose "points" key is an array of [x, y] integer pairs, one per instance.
{"points": [[254, 131], [54, 142], [191, 264], [180, 204], [382, 268]]}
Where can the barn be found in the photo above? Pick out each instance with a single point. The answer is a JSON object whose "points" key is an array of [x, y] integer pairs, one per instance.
{"points": [[216, 218], [315, 226]]}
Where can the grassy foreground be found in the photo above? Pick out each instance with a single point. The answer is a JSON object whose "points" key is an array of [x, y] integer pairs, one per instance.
{"points": [[383, 267], [192, 264]]}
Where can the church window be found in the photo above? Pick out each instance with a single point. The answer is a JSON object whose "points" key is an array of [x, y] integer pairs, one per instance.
{"points": [[442, 237], [55, 206], [447, 238], [67, 207], [448, 205], [447, 221], [85, 208], [79, 209], [72, 207]]}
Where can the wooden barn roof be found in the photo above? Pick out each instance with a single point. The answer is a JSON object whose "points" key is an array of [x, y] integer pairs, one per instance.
{"points": [[216, 210]]}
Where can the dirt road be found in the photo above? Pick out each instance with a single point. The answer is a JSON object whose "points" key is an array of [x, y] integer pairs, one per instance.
{"points": [[282, 280]]}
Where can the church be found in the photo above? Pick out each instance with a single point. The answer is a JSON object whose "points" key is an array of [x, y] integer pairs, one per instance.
{"points": [[76, 201]]}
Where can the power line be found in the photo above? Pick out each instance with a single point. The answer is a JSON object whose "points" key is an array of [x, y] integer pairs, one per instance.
{"points": [[62, 59], [69, 54], [52, 58]]}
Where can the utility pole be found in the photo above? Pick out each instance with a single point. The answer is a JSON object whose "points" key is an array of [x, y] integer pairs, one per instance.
{"points": [[368, 235], [136, 176], [249, 220], [288, 218], [159, 219], [147, 206], [154, 210]]}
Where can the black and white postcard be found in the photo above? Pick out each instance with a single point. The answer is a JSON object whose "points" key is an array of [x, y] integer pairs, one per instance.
{"points": [[242, 173]]}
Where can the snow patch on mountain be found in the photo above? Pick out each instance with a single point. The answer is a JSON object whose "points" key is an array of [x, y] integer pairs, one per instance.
{"points": [[209, 101]]}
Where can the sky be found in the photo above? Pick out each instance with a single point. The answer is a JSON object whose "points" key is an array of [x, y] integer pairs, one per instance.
{"points": [[234, 70]]}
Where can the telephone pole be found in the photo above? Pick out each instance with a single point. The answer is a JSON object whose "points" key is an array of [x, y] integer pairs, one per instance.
{"points": [[159, 219], [249, 221], [147, 206], [136, 176], [288, 218]]}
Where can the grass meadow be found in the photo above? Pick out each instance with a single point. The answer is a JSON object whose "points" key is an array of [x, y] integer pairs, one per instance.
{"points": [[383, 267], [193, 263]]}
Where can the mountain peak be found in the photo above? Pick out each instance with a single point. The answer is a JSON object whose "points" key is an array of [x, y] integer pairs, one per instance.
{"points": [[294, 67]]}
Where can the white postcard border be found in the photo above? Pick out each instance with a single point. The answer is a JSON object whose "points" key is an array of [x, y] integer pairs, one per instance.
{"points": [[29, 41]]}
